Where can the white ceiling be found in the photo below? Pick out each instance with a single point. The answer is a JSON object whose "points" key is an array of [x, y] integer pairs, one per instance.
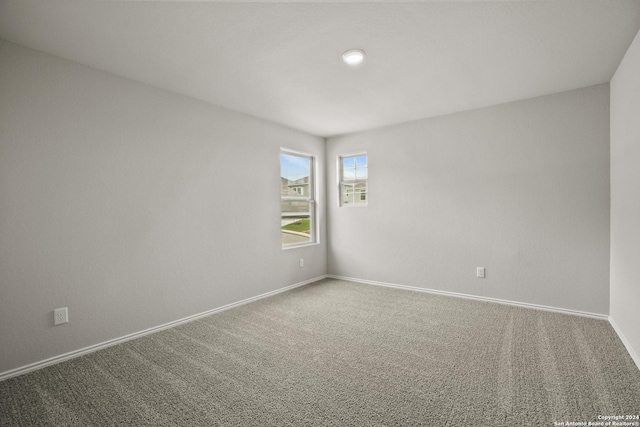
{"points": [[282, 61]]}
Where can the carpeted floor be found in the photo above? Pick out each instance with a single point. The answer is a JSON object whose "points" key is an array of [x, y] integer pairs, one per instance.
{"points": [[343, 354]]}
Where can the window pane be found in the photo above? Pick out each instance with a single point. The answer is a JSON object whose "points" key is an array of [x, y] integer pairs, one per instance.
{"points": [[348, 162], [361, 173], [297, 215], [353, 180], [294, 175], [295, 169], [295, 222], [347, 199], [349, 173], [348, 191], [360, 194]]}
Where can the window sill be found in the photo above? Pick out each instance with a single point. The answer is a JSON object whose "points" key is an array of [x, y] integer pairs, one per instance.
{"points": [[301, 245]]}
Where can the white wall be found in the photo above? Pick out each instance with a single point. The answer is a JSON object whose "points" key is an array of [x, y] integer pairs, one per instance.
{"points": [[625, 197], [521, 189], [130, 205]]}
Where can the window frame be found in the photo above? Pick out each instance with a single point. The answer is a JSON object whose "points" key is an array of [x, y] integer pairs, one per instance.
{"points": [[354, 181], [311, 199]]}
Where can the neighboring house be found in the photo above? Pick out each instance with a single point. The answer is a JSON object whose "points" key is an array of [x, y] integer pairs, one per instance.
{"points": [[297, 188], [354, 193]]}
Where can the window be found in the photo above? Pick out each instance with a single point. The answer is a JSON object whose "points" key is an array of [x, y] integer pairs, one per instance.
{"points": [[353, 180], [297, 204]]}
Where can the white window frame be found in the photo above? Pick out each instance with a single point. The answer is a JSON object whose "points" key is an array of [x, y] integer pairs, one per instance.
{"points": [[342, 181], [311, 198]]}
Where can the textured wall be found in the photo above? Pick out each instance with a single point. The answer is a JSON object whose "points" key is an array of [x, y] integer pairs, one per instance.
{"points": [[625, 196], [130, 205], [520, 188]]}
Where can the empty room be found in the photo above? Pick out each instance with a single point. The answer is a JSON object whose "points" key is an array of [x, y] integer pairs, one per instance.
{"points": [[320, 213]]}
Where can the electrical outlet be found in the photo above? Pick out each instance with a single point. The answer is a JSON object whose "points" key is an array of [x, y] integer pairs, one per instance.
{"points": [[60, 316], [480, 272], [301, 262]]}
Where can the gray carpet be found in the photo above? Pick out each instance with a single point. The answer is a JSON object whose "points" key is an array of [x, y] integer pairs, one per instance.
{"points": [[343, 354]]}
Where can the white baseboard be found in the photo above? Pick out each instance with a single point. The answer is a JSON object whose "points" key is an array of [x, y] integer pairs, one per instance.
{"points": [[474, 297], [626, 342], [76, 353]]}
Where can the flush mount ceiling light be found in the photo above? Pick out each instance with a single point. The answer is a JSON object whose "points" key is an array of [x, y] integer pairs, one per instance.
{"points": [[353, 56]]}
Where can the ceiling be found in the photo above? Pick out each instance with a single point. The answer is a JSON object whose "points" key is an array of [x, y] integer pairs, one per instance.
{"points": [[282, 61]]}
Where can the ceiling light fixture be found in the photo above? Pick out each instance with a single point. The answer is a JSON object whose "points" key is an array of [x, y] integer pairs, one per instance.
{"points": [[353, 56]]}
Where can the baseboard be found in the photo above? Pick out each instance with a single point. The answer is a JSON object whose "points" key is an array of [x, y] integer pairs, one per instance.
{"points": [[76, 353], [625, 341], [474, 297]]}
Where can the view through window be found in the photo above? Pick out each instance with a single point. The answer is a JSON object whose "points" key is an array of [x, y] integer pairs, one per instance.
{"points": [[297, 204], [353, 180]]}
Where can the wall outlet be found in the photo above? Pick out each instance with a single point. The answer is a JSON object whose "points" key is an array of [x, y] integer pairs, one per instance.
{"points": [[60, 316], [301, 262], [480, 272]]}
